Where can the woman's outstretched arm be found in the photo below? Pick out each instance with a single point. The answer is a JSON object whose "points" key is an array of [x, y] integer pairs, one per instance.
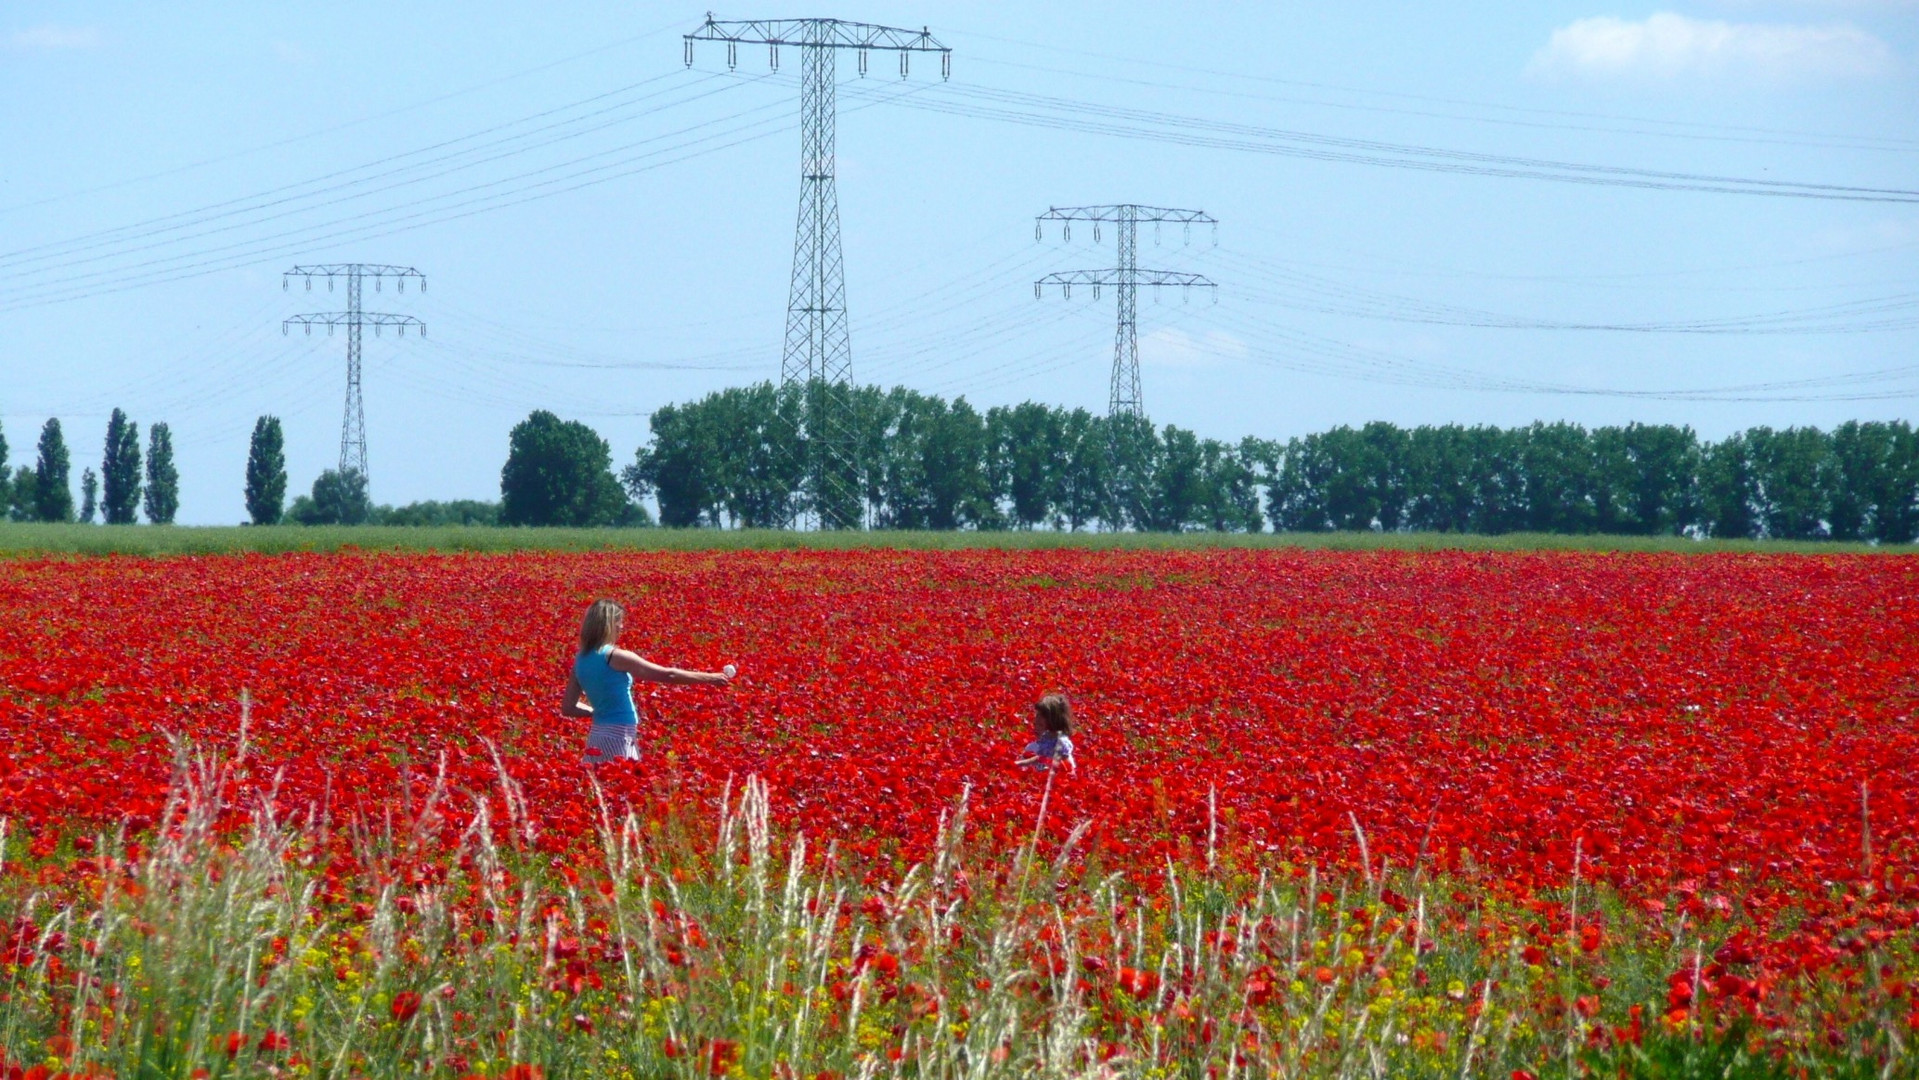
{"points": [[633, 665]]}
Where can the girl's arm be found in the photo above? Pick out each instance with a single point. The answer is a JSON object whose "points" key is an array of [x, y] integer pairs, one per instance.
{"points": [[572, 703], [633, 665]]}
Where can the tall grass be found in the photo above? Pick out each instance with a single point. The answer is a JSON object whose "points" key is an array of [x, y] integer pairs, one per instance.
{"points": [[230, 944], [27, 539]]}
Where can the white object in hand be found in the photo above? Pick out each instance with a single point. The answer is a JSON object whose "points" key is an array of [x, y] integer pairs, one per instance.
{"points": [[728, 670]]}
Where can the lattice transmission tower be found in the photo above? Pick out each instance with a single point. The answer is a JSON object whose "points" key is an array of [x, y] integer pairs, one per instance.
{"points": [[818, 355], [353, 426], [1128, 277]]}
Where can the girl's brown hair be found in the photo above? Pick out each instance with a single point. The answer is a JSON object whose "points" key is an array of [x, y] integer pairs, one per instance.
{"points": [[1054, 714], [601, 625]]}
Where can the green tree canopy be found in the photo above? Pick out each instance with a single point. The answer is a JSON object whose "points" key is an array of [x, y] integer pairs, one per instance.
{"points": [[163, 479], [1556, 461], [1872, 480], [23, 502], [732, 457], [1085, 468], [120, 471], [1178, 494], [266, 489], [1030, 441], [89, 495], [339, 498], [1787, 467], [1729, 490], [432, 513], [1645, 478], [740, 457], [559, 472], [52, 476]]}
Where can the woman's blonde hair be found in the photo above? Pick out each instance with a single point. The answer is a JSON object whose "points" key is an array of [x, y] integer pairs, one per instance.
{"points": [[601, 625], [1055, 714]]}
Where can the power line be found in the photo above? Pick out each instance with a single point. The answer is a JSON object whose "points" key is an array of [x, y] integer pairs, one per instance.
{"points": [[1312, 354], [1134, 61], [294, 241], [387, 222], [1839, 142], [232, 208], [307, 136], [1068, 114], [1866, 315], [1649, 279]]}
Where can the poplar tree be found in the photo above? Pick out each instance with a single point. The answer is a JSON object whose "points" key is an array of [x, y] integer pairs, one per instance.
{"points": [[89, 495], [266, 472], [6, 485], [163, 480], [120, 471], [52, 476]]}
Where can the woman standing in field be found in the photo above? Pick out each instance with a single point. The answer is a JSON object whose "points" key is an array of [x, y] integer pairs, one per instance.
{"points": [[603, 675]]}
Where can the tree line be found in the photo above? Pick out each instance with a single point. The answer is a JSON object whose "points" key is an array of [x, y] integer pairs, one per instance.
{"points": [[118, 492], [122, 488], [557, 472], [338, 496], [744, 457], [740, 458]]}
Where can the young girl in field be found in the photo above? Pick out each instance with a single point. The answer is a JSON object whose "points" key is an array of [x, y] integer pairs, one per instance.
{"points": [[603, 676], [1052, 745]]}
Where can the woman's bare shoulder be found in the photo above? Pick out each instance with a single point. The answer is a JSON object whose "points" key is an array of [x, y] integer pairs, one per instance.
{"points": [[628, 660]]}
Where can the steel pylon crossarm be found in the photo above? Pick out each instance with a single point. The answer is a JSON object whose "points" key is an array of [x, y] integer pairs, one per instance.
{"points": [[816, 362], [1125, 398], [353, 424], [375, 319], [1140, 213], [819, 33], [1070, 278]]}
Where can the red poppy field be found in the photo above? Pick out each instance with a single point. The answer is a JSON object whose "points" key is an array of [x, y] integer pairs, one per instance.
{"points": [[1720, 749]]}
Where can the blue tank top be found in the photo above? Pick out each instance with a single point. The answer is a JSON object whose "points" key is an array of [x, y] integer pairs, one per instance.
{"points": [[609, 691]]}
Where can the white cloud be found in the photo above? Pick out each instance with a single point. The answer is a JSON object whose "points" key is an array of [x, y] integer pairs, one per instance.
{"points": [[1668, 46], [1177, 348], [50, 37]]}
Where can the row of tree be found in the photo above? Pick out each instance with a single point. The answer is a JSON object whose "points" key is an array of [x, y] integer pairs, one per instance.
{"points": [[747, 457], [1858, 482], [338, 497], [122, 488], [743, 457], [558, 472], [43, 491], [907, 460]]}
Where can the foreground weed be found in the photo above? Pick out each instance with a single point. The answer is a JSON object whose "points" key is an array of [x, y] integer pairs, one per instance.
{"points": [[247, 944]]}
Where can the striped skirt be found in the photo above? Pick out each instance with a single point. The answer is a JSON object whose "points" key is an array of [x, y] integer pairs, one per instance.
{"points": [[611, 742]]}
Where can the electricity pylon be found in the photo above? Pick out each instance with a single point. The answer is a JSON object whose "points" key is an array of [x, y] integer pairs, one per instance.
{"points": [[818, 356], [353, 427], [1125, 397]]}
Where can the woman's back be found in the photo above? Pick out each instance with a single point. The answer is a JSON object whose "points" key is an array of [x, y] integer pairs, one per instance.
{"points": [[610, 691]]}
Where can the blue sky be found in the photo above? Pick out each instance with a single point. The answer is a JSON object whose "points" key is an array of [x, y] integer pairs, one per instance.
{"points": [[605, 231]]}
